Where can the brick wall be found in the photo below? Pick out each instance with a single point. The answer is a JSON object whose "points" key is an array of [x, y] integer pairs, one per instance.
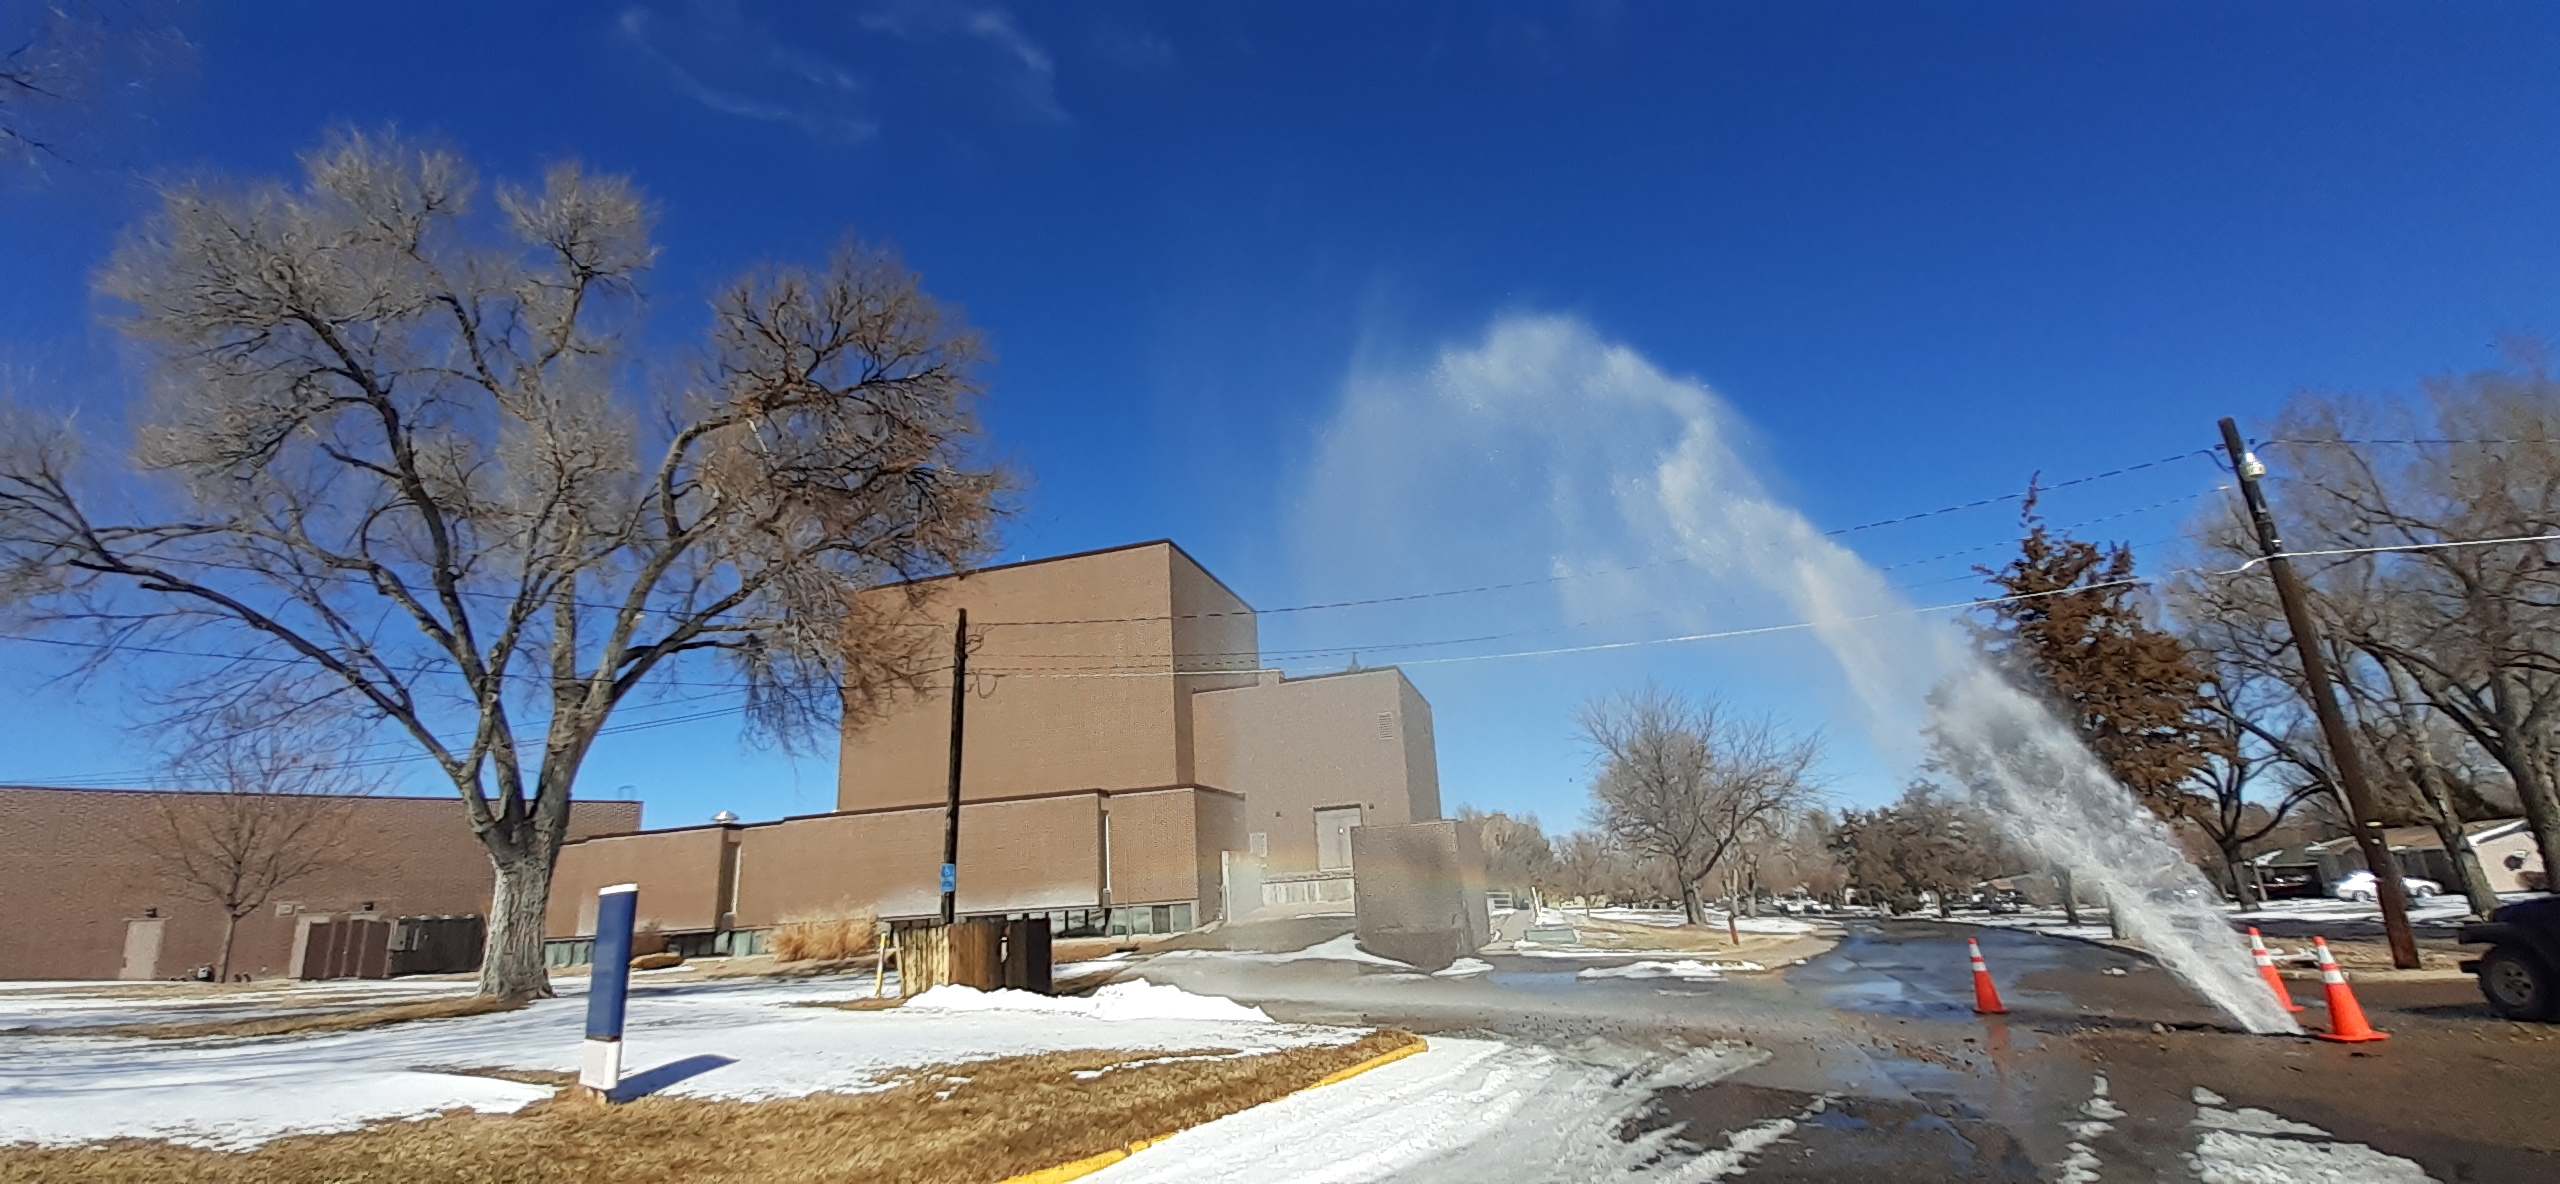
{"points": [[75, 868]]}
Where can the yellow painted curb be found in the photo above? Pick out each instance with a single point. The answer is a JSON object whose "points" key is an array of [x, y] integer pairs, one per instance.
{"points": [[1385, 1058], [1094, 1163]]}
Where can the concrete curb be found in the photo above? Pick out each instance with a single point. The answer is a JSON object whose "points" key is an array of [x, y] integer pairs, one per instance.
{"points": [[1094, 1163]]}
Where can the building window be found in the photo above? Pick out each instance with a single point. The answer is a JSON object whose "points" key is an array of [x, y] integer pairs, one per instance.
{"points": [[1259, 843], [1386, 725]]}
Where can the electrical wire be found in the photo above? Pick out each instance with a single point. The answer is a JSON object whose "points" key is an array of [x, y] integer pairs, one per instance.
{"points": [[1597, 647]]}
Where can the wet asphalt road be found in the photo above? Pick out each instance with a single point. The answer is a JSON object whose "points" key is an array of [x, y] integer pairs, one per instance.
{"points": [[1868, 1060]]}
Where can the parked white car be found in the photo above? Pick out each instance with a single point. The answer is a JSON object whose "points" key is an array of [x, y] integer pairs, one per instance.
{"points": [[2359, 886]]}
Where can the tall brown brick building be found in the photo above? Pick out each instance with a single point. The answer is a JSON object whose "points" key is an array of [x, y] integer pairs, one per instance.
{"points": [[1128, 765]]}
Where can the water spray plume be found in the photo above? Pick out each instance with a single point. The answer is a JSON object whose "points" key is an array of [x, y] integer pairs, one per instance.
{"points": [[1551, 398]]}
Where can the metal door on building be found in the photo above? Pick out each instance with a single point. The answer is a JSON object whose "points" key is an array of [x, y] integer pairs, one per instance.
{"points": [[357, 947], [1333, 837], [142, 948]]}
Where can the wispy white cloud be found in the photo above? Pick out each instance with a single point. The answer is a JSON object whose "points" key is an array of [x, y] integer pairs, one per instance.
{"points": [[1133, 49], [846, 79], [815, 119]]}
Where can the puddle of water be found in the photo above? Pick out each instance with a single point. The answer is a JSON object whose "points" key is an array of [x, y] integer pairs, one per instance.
{"points": [[1930, 978]]}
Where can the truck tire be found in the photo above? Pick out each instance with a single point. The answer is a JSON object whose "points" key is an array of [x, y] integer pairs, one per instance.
{"points": [[2518, 985]]}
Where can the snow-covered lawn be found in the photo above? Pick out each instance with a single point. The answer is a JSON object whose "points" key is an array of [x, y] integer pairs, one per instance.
{"points": [[1673, 919], [2440, 911], [1685, 968], [1345, 948], [742, 1039]]}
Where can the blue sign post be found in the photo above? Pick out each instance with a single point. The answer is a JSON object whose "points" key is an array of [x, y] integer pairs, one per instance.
{"points": [[608, 988]]}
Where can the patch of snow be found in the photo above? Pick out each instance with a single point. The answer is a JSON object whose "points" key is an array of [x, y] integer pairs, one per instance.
{"points": [[752, 1039], [1685, 968], [1596, 952], [1115, 1002], [1738, 1147], [1345, 948], [2229, 1157], [1464, 968], [2250, 1120]]}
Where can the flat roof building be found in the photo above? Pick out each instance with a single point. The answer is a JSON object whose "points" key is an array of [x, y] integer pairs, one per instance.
{"points": [[89, 893], [1123, 751]]}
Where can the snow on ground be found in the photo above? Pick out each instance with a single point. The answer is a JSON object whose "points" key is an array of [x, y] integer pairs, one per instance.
{"points": [[1462, 1112], [1532, 950], [1464, 968], [1673, 919], [1341, 949], [2252, 1146], [2051, 924], [1685, 968], [2440, 909], [94, 1005], [738, 1038], [1138, 1000]]}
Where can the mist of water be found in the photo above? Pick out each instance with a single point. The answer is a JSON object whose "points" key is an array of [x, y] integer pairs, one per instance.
{"points": [[1550, 387]]}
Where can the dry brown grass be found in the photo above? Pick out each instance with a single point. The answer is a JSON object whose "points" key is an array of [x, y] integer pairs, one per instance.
{"points": [[825, 939], [854, 1004], [961, 1124], [311, 1024]]}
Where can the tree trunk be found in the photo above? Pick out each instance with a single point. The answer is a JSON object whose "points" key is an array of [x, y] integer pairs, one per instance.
{"points": [[1690, 904], [2070, 899], [2447, 822], [222, 961], [512, 966], [2522, 757], [2243, 888]]}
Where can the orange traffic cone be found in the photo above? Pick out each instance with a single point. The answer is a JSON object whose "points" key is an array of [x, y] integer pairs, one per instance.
{"points": [[2346, 1016], [1986, 997], [2267, 971]]}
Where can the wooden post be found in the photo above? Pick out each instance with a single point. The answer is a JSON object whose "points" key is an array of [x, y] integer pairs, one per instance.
{"points": [[951, 814], [2344, 757]]}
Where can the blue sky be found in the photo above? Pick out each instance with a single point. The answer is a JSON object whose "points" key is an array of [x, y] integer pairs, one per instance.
{"points": [[1919, 251]]}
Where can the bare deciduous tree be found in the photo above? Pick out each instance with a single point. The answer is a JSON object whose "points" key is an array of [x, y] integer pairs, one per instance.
{"points": [[1686, 783], [1517, 855], [1923, 843], [412, 460], [269, 809], [2461, 621]]}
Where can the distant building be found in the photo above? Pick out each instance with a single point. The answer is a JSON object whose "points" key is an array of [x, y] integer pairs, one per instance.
{"points": [[1129, 767], [82, 896], [2507, 854]]}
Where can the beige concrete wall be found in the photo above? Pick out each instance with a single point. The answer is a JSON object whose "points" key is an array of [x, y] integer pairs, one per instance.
{"points": [[1154, 847], [1084, 699], [1018, 856], [1218, 822], [1293, 746], [680, 872], [1214, 635]]}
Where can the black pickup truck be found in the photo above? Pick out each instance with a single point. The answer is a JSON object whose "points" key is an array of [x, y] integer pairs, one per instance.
{"points": [[2520, 974]]}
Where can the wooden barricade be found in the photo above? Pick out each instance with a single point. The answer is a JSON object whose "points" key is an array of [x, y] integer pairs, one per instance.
{"points": [[986, 954]]}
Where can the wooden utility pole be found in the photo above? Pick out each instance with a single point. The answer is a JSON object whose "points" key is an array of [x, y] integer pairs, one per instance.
{"points": [[2345, 760], [951, 815]]}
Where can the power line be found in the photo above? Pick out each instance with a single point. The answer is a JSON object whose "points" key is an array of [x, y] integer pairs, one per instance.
{"points": [[1553, 579], [1116, 672]]}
